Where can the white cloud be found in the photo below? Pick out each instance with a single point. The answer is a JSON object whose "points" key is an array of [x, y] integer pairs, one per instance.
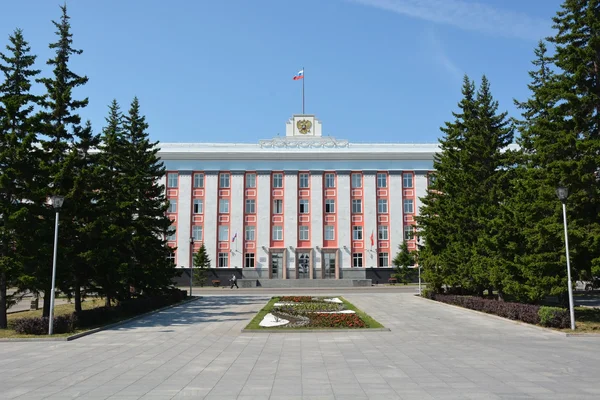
{"points": [[469, 15], [440, 56]]}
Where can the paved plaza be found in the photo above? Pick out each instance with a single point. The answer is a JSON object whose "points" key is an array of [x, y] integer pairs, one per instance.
{"points": [[197, 351]]}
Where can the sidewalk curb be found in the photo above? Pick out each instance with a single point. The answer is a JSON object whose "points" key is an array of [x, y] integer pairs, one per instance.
{"points": [[293, 330], [559, 333], [95, 330]]}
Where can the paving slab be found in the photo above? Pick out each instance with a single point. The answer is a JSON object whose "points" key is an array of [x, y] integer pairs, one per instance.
{"points": [[198, 351]]}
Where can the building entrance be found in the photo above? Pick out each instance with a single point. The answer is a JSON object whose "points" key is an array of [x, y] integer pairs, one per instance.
{"points": [[303, 265], [276, 265]]}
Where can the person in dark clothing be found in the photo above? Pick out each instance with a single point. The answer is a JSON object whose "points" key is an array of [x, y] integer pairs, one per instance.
{"points": [[233, 281]]}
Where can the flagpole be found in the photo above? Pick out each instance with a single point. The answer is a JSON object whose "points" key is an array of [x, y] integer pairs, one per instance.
{"points": [[303, 78]]}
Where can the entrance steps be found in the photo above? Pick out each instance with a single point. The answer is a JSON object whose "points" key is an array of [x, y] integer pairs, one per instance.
{"points": [[303, 283]]}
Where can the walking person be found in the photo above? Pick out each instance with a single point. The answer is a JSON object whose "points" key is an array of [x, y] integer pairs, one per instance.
{"points": [[233, 281]]}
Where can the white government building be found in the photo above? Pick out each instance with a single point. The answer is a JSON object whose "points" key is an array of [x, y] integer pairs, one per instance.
{"points": [[303, 206]]}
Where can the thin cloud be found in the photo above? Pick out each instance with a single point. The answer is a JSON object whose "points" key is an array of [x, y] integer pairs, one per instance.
{"points": [[439, 55], [468, 15]]}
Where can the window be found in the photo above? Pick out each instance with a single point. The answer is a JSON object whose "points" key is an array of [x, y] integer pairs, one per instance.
{"points": [[357, 233], [251, 183], [409, 232], [303, 206], [249, 260], [249, 232], [329, 206], [171, 257], [172, 179], [357, 260], [430, 179], [383, 259], [224, 180], [382, 232], [172, 206], [172, 235], [197, 232], [223, 233], [381, 180], [277, 206], [408, 206], [223, 260], [277, 180], [198, 206], [303, 233], [329, 232], [277, 233], [356, 206], [303, 181], [250, 206], [407, 180], [223, 206], [382, 206], [356, 182], [198, 180], [329, 180]]}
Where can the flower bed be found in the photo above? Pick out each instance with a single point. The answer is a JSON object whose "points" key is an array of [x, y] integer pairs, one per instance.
{"points": [[311, 312]]}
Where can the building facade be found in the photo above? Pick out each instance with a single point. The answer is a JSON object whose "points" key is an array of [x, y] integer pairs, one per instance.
{"points": [[300, 206]]}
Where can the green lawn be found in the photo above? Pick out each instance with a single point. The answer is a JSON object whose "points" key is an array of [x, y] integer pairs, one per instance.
{"points": [[254, 324]]}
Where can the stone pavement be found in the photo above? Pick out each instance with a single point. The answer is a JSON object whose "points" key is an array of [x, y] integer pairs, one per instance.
{"points": [[197, 351]]}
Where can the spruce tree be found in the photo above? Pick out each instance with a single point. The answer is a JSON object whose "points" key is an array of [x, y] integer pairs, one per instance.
{"points": [[151, 270], [202, 263], [60, 127], [403, 261], [18, 164]]}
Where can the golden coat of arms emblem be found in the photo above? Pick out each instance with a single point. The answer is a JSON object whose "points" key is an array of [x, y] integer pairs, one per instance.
{"points": [[304, 126]]}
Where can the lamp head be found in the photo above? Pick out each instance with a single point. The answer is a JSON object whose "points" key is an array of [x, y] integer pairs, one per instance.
{"points": [[562, 192], [57, 201], [191, 239]]}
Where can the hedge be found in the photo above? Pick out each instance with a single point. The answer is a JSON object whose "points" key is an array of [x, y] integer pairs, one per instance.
{"points": [[99, 315], [530, 313]]}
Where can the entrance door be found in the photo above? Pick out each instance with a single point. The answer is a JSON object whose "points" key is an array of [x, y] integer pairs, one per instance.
{"points": [[276, 265], [329, 265], [303, 265]]}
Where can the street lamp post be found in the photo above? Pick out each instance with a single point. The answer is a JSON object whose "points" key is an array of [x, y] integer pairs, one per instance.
{"points": [[57, 202], [562, 192], [191, 263]]}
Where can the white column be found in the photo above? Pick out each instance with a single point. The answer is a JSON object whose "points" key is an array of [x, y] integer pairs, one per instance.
{"points": [[263, 219], [421, 191], [316, 212], [343, 220], [210, 216], [370, 216], [236, 221], [290, 227], [184, 216], [396, 213]]}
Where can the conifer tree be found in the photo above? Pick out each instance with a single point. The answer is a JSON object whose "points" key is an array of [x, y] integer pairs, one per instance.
{"points": [[403, 261], [151, 269], [18, 164], [202, 263], [60, 126]]}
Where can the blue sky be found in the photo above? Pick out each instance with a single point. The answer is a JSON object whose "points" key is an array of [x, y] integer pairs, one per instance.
{"points": [[221, 70]]}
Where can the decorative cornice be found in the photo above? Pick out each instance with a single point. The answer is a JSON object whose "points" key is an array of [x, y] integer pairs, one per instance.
{"points": [[308, 143]]}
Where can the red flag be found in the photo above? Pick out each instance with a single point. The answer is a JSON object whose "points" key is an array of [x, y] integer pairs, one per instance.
{"points": [[372, 240]]}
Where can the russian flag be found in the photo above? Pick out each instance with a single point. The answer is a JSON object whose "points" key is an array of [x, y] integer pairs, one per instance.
{"points": [[234, 237], [299, 75]]}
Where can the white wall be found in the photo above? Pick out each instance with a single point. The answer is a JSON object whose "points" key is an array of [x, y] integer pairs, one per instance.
{"points": [[316, 207], [184, 216], [343, 220], [236, 222], [210, 216], [263, 219], [396, 213], [421, 191], [290, 205], [370, 216]]}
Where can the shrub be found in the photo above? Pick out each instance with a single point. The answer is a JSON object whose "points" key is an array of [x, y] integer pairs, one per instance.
{"points": [[516, 311], [96, 316], [554, 317], [428, 293], [336, 321], [39, 325]]}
